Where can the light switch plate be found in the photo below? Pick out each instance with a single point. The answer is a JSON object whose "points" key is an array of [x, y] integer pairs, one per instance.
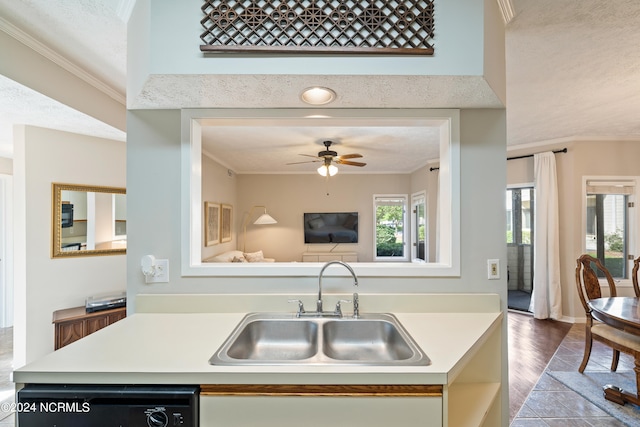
{"points": [[493, 269]]}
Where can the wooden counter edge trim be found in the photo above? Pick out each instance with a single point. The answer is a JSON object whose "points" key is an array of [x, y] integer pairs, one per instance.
{"points": [[394, 390]]}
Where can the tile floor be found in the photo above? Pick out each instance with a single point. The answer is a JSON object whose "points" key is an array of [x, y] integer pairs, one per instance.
{"points": [[551, 404]]}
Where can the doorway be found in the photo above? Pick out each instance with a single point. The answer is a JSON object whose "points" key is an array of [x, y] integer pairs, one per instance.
{"points": [[419, 227], [520, 220]]}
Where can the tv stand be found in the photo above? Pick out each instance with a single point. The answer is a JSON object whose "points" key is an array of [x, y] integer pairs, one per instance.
{"points": [[329, 256]]}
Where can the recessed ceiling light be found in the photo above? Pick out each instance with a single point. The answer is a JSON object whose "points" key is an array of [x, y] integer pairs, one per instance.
{"points": [[317, 95]]}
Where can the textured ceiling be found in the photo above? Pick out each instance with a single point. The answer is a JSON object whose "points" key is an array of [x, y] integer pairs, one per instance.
{"points": [[90, 35], [21, 105], [386, 147], [573, 70]]}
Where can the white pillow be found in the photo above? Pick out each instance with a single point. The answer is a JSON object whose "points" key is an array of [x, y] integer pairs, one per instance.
{"points": [[254, 256]]}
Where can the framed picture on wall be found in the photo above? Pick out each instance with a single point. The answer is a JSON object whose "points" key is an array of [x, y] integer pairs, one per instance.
{"points": [[225, 223], [211, 223]]}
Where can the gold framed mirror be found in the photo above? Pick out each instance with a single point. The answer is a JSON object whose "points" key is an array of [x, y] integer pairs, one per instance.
{"points": [[88, 220]]}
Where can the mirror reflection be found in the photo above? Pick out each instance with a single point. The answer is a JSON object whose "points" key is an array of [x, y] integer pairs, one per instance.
{"points": [[88, 220]]}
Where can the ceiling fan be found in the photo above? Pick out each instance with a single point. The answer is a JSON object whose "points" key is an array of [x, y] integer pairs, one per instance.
{"points": [[328, 157]]}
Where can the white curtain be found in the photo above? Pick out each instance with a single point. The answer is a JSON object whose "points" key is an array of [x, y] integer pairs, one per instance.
{"points": [[546, 301]]}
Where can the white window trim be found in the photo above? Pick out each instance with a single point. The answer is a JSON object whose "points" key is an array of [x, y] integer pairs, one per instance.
{"points": [[448, 264]]}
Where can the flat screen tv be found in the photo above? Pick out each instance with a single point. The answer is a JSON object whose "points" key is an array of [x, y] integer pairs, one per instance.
{"points": [[331, 227]]}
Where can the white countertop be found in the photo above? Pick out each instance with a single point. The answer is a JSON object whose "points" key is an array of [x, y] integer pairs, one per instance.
{"points": [[159, 348]]}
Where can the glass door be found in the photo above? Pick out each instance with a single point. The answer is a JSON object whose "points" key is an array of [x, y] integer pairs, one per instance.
{"points": [[419, 227], [520, 209]]}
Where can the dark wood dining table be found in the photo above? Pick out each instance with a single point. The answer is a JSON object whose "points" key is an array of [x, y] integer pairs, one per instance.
{"points": [[621, 313]]}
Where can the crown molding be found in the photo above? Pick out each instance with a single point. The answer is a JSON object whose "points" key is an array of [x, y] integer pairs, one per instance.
{"points": [[571, 139], [506, 9], [56, 58]]}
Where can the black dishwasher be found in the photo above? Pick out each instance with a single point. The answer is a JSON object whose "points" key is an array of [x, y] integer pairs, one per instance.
{"points": [[57, 405]]}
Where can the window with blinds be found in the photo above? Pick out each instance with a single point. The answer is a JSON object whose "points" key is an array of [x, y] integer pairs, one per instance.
{"points": [[609, 223]]}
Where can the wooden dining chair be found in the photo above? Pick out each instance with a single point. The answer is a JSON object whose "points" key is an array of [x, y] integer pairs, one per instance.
{"points": [[634, 276], [588, 289]]}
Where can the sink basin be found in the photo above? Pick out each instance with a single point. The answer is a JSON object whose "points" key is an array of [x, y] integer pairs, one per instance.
{"points": [[365, 340], [275, 340], [279, 339]]}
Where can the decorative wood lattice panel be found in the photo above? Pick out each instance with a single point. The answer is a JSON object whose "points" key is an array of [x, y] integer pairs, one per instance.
{"points": [[321, 26]]}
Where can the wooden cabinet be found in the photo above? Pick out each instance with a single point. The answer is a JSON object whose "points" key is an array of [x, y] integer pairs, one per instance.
{"points": [[329, 256], [71, 324]]}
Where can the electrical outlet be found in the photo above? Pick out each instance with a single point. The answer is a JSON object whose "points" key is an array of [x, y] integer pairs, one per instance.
{"points": [[161, 273], [493, 269]]}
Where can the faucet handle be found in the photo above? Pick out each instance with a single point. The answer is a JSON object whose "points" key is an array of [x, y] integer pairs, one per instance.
{"points": [[356, 305], [300, 306], [338, 310]]}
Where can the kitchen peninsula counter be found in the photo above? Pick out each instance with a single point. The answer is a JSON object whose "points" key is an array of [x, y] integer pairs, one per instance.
{"points": [[174, 348]]}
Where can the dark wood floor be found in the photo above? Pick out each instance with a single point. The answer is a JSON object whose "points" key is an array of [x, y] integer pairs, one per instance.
{"points": [[532, 343]]}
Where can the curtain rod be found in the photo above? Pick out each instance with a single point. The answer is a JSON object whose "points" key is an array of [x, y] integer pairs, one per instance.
{"points": [[564, 150]]}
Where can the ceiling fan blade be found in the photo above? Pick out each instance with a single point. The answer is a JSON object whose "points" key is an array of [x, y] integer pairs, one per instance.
{"points": [[350, 156], [310, 161], [350, 163], [308, 155]]}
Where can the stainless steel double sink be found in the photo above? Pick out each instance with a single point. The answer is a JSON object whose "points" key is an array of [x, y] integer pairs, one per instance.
{"points": [[281, 339]]}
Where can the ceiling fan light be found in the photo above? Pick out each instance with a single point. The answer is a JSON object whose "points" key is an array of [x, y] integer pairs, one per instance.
{"points": [[331, 170], [317, 95]]}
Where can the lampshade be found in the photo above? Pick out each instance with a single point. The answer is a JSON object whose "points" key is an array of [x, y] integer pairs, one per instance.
{"points": [[331, 169], [264, 219]]}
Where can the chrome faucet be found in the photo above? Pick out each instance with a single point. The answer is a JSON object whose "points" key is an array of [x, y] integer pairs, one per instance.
{"points": [[319, 309]]}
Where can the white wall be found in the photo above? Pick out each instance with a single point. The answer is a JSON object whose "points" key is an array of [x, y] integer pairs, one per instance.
{"points": [[494, 60], [219, 185], [42, 284], [174, 46], [289, 196], [6, 166]]}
